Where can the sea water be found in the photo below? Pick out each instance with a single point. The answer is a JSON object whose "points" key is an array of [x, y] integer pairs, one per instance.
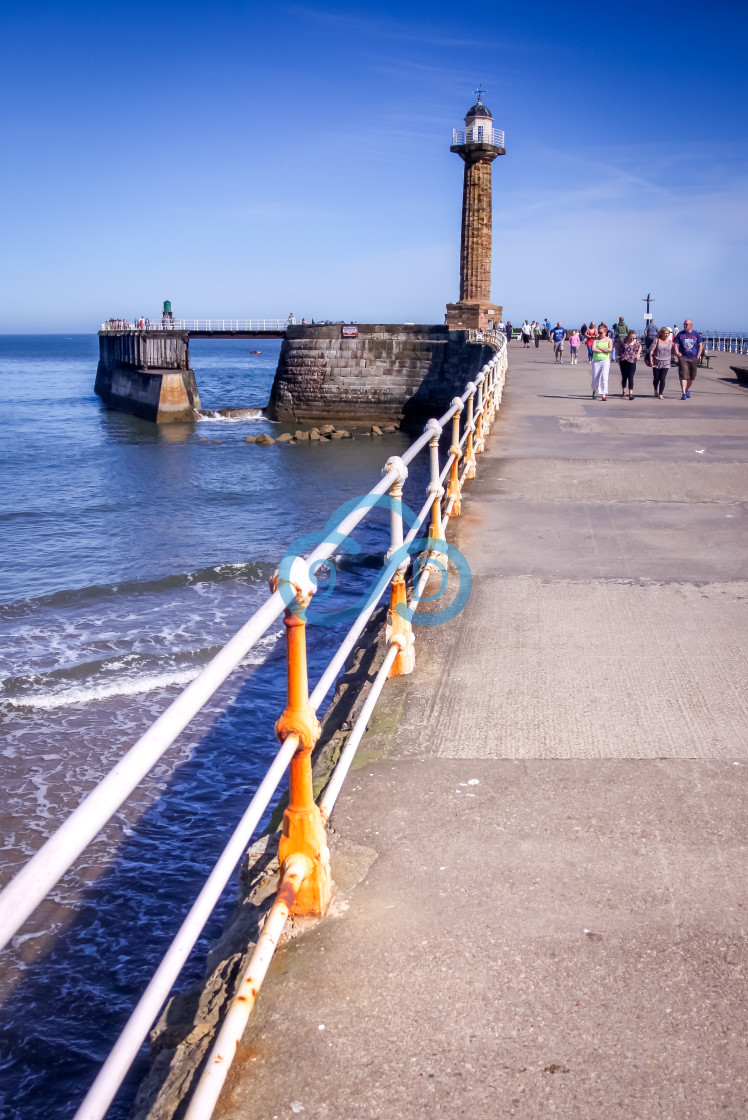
{"points": [[129, 554]]}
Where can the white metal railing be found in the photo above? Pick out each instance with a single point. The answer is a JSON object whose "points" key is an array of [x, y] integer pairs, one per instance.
{"points": [[197, 324], [478, 134], [725, 343], [480, 400], [492, 338]]}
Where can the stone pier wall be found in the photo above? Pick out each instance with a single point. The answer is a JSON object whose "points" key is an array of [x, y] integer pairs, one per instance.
{"points": [[390, 373], [147, 373]]}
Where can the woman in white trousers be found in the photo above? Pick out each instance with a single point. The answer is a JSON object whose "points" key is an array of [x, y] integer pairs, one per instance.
{"points": [[602, 348]]}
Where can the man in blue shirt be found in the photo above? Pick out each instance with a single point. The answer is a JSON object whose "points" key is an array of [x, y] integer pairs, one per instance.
{"points": [[558, 334], [688, 346]]}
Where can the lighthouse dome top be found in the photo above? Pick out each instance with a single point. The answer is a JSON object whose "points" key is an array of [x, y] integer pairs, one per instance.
{"points": [[479, 110]]}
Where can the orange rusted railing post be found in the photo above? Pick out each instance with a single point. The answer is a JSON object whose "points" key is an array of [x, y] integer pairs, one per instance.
{"points": [[399, 629], [480, 441], [497, 380], [435, 488], [490, 399], [470, 448], [303, 831], [454, 490]]}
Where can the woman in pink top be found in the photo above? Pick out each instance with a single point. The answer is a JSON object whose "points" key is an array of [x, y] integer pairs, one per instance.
{"points": [[575, 342]]}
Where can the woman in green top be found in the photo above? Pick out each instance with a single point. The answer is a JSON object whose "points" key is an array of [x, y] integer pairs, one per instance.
{"points": [[602, 348]]}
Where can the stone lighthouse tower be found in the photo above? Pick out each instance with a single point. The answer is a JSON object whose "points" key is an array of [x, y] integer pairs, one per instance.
{"points": [[478, 146]]}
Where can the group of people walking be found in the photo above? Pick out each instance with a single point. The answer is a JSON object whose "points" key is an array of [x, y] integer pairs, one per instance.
{"points": [[623, 344], [533, 331]]}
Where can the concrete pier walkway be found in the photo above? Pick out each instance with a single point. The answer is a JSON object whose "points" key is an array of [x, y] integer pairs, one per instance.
{"points": [[552, 808]]}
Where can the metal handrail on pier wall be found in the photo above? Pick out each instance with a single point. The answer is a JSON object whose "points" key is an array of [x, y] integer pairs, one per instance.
{"points": [[304, 884]]}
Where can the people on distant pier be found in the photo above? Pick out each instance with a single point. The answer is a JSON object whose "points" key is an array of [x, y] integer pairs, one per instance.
{"points": [[526, 334], [509, 329], [291, 319], [660, 356], [688, 346], [558, 337], [629, 351], [602, 348]]}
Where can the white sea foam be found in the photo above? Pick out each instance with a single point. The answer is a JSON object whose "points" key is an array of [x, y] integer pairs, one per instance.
{"points": [[129, 686], [135, 685], [208, 417]]}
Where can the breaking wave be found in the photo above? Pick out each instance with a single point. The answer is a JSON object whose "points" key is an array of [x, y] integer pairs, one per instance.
{"points": [[121, 676], [250, 572], [230, 415]]}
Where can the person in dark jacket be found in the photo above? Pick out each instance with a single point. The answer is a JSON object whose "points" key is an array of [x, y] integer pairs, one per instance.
{"points": [[650, 337]]}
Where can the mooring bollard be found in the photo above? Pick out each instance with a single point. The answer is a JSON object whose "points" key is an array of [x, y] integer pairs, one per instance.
{"points": [[454, 490], [399, 628], [303, 831]]}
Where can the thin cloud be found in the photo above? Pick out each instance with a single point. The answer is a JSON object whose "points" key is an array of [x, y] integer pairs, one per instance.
{"points": [[388, 29]]}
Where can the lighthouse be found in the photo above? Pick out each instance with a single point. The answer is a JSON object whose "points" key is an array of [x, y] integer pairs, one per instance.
{"points": [[478, 146]]}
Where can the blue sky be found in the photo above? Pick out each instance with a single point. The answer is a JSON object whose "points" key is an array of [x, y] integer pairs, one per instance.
{"points": [[254, 159]]}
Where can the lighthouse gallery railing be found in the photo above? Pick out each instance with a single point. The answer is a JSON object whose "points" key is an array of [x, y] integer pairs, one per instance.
{"points": [[478, 134], [480, 402]]}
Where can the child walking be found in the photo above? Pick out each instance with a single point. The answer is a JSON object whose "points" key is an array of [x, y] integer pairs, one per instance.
{"points": [[575, 341]]}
